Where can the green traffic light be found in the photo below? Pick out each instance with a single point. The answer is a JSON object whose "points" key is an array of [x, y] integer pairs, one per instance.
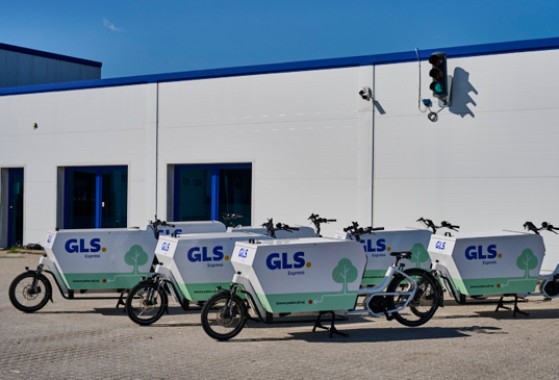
{"points": [[438, 72], [437, 88]]}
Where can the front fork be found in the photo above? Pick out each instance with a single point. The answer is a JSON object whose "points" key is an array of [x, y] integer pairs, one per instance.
{"points": [[34, 284]]}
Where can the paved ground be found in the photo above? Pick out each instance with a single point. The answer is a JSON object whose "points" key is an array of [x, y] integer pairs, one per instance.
{"points": [[93, 340]]}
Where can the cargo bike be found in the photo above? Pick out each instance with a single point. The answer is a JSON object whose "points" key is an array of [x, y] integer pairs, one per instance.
{"points": [[479, 267], [318, 276], [95, 262], [190, 268]]}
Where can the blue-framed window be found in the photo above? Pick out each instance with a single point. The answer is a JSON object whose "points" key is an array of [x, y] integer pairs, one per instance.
{"points": [[15, 207], [95, 197], [207, 192]]}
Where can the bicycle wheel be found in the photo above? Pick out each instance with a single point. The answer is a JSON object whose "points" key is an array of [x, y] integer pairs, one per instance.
{"points": [[223, 316], [24, 297], [425, 302], [146, 303]]}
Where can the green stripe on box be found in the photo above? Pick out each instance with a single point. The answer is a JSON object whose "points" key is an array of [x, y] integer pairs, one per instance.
{"points": [[304, 302], [119, 280], [493, 286], [201, 292]]}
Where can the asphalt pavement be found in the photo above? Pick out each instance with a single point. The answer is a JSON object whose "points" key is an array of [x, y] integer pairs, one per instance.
{"points": [[91, 339]]}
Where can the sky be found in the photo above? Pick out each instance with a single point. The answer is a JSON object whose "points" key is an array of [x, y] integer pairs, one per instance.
{"points": [[141, 37]]}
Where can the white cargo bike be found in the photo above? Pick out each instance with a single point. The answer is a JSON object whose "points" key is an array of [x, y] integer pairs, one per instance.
{"points": [[322, 276], [95, 262]]}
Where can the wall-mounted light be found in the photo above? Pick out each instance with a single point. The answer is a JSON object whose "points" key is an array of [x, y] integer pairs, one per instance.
{"points": [[35, 125]]}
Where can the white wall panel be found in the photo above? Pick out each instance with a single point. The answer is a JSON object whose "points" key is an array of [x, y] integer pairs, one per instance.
{"points": [[76, 128], [300, 130], [490, 162]]}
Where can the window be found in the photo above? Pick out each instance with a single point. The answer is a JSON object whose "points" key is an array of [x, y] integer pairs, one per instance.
{"points": [[207, 192], [95, 197], [11, 206]]}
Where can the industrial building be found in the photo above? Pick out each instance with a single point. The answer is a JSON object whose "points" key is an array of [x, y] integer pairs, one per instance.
{"points": [[348, 138]]}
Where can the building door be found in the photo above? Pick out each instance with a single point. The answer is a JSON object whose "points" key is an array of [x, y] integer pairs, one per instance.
{"points": [[96, 197], [208, 192], [15, 207]]}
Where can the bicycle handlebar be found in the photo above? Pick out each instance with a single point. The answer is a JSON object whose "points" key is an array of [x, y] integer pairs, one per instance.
{"points": [[448, 225], [444, 224], [531, 227], [230, 218], [549, 227], [317, 221], [279, 226], [156, 223], [356, 231]]}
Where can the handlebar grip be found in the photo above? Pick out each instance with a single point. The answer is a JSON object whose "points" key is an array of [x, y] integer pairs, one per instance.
{"points": [[330, 220], [377, 228]]}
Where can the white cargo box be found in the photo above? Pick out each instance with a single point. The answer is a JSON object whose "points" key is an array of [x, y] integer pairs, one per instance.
{"points": [[200, 263], [490, 264], [300, 275], [379, 244]]}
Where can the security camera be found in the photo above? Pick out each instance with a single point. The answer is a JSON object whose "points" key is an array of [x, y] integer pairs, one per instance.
{"points": [[366, 93]]}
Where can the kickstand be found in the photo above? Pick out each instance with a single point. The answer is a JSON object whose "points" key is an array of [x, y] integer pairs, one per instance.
{"points": [[332, 329], [515, 309], [121, 302]]}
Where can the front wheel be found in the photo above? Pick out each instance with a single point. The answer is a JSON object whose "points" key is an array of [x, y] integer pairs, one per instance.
{"points": [[146, 303], [423, 305], [30, 292], [223, 316]]}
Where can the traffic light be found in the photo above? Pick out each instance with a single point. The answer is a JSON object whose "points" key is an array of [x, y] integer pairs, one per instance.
{"points": [[438, 72]]}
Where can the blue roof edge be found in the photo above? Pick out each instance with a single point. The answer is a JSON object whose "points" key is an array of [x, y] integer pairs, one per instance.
{"points": [[46, 54], [319, 64]]}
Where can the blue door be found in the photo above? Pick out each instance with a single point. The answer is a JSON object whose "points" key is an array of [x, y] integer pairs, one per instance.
{"points": [[96, 197], [208, 192], [15, 207]]}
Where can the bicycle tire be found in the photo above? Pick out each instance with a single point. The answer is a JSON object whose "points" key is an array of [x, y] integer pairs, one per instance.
{"points": [[146, 303], [425, 302], [22, 296], [227, 322]]}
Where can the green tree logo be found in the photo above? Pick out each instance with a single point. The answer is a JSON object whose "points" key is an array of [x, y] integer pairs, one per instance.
{"points": [[344, 273], [527, 261], [419, 254], [135, 257]]}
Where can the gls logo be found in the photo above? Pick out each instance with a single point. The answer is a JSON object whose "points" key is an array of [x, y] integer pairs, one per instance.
{"points": [[168, 231], [83, 246], [243, 252], [285, 260], [378, 246], [479, 252], [197, 254], [440, 245]]}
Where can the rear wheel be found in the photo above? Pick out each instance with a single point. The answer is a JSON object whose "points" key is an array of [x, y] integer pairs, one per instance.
{"points": [[424, 303], [146, 303], [223, 316], [30, 292]]}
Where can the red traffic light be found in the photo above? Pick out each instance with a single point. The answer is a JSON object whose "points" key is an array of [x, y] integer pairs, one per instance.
{"points": [[437, 59]]}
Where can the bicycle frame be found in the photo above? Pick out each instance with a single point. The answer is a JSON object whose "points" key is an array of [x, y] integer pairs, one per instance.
{"points": [[163, 276], [378, 290]]}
